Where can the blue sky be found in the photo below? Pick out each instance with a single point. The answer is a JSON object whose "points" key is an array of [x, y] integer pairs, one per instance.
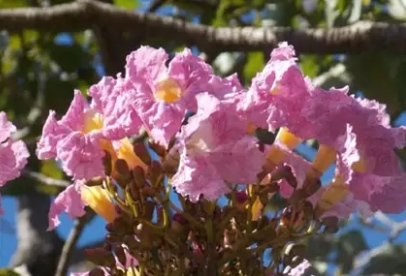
{"points": [[95, 230]]}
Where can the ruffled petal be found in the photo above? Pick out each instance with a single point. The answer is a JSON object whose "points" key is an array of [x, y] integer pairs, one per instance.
{"points": [[68, 201], [81, 155]]}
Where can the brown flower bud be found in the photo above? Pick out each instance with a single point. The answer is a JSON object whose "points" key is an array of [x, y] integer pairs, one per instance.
{"points": [[95, 181], [138, 174], [330, 224], [154, 172], [107, 163], [131, 242], [112, 238], [171, 162], [142, 152], [122, 169], [97, 271], [100, 256], [148, 191]]}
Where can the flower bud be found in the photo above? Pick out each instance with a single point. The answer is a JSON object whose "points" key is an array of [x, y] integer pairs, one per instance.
{"points": [[148, 191], [171, 162], [154, 172], [119, 226], [98, 199], [141, 151], [95, 181], [107, 163], [97, 271], [100, 256], [330, 224], [138, 174], [122, 171], [132, 242]]}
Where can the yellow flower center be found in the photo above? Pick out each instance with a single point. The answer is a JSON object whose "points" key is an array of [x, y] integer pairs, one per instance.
{"points": [[274, 91], [126, 152], [98, 199], [168, 90], [93, 121]]}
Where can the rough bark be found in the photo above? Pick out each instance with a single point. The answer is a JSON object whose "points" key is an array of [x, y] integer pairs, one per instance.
{"points": [[86, 14]]}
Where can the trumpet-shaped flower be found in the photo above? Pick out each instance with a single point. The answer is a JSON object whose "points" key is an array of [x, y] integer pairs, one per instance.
{"points": [[13, 154], [162, 94], [373, 172], [74, 199], [214, 150], [79, 138]]}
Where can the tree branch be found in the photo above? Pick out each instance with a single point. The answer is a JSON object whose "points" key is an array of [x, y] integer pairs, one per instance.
{"points": [[84, 14], [70, 244], [45, 179]]}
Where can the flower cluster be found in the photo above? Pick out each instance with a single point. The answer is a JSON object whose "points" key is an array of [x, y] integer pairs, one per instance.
{"points": [[216, 151], [13, 154]]}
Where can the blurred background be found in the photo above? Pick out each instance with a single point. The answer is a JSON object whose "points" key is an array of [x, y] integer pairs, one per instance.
{"points": [[42, 63]]}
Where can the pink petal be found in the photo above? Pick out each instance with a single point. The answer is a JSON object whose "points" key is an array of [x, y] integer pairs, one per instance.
{"points": [[68, 201], [6, 127], [74, 117], [81, 155], [196, 178], [52, 133], [145, 63]]}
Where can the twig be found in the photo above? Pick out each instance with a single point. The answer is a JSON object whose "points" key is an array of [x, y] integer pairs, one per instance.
{"points": [[70, 244], [85, 14], [45, 179]]}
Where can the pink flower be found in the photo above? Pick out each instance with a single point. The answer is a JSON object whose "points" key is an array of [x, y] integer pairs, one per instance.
{"points": [[214, 150], [162, 94], [68, 201], [13, 154], [79, 138], [372, 171], [277, 94]]}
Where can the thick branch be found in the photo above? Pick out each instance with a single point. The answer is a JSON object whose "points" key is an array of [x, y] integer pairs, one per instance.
{"points": [[38, 249], [84, 14]]}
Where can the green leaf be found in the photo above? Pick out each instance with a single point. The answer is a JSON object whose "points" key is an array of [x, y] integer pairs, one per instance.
{"points": [[5, 4], [380, 76], [70, 57], [8, 272], [255, 63], [309, 65], [127, 4], [389, 261]]}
